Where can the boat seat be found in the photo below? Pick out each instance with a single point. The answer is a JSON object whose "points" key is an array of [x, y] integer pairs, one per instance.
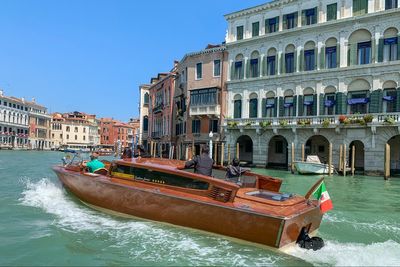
{"points": [[102, 171]]}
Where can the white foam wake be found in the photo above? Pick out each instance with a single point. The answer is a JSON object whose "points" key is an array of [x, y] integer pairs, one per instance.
{"points": [[339, 254], [140, 239]]}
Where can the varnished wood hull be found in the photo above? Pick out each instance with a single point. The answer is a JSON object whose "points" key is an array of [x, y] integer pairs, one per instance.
{"points": [[151, 204]]}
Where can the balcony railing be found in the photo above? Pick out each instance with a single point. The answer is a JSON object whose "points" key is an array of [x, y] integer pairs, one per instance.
{"points": [[159, 108], [205, 110], [333, 121]]}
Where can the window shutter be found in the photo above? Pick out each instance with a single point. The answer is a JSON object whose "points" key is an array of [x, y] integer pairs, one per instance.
{"points": [[296, 19], [301, 106], [380, 50], [398, 100], [341, 105], [283, 69], [263, 66], [241, 74], [264, 107], [295, 55], [315, 58], [338, 55], [353, 55], [282, 108], [315, 19], [373, 50], [398, 47], [276, 107], [284, 22], [276, 64], [321, 104], [260, 63], [315, 105], [247, 68], [364, 7], [301, 63], [322, 58], [277, 23], [303, 18], [233, 71]]}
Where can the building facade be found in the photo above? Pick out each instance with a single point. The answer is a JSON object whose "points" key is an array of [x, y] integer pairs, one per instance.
{"points": [[14, 123], [115, 133], [75, 130], [313, 73], [161, 108], [200, 92], [39, 126], [144, 114]]}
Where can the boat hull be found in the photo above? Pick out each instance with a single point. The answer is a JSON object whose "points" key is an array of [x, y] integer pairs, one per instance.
{"points": [[152, 204], [312, 168]]}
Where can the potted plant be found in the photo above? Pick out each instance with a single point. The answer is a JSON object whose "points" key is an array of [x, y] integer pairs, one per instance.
{"points": [[232, 124], [283, 123], [326, 123], [265, 124], [342, 118], [389, 120], [368, 118]]}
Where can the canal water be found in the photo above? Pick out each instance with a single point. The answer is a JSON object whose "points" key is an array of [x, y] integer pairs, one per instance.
{"points": [[41, 224]]}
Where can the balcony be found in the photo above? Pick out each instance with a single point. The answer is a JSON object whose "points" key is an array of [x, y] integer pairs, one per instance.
{"points": [[214, 110], [156, 135], [316, 122], [158, 108]]}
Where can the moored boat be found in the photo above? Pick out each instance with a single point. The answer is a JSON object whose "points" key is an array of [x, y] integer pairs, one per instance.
{"points": [[312, 166], [162, 190]]}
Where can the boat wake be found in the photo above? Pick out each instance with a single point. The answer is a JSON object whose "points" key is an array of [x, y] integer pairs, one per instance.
{"points": [[144, 242], [339, 254]]}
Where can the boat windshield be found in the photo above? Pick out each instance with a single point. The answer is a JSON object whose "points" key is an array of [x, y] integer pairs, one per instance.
{"points": [[74, 158], [271, 195]]}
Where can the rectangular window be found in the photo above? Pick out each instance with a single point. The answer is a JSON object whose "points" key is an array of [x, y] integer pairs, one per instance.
{"points": [[358, 103], [237, 111], [331, 11], [239, 33], [389, 100], [364, 53], [390, 4], [331, 58], [203, 97], [196, 126], [238, 75], [217, 68], [254, 73], [272, 25], [310, 16], [390, 49], [270, 107], [309, 60], [289, 62], [330, 102], [308, 105], [214, 126], [255, 29], [253, 107], [199, 71], [360, 7], [289, 106], [290, 21], [271, 65]]}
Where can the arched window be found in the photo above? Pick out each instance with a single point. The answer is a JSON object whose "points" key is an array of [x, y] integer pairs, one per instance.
{"points": [[238, 68], [309, 56], [360, 7], [146, 99], [254, 65], [145, 123], [290, 62], [358, 96], [253, 106], [389, 46], [237, 107], [331, 54], [360, 47], [330, 100], [308, 102], [271, 62], [289, 103], [68, 129], [389, 96]]}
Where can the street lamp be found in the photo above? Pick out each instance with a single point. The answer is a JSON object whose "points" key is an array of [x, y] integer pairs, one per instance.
{"points": [[211, 143]]}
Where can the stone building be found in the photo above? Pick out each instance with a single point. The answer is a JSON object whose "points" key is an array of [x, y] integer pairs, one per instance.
{"points": [[39, 126], [144, 114], [14, 123], [199, 99], [313, 73], [115, 133]]}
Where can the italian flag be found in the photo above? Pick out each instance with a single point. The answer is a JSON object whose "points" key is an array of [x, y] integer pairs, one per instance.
{"points": [[323, 196]]}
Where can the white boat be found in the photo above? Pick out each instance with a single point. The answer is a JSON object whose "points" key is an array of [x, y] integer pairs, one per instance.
{"points": [[312, 166]]}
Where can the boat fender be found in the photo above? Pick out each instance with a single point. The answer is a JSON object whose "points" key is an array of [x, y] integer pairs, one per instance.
{"points": [[307, 242]]}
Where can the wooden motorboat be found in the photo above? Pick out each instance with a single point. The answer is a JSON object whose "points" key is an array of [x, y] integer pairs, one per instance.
{"points": [[312, 166], [162, 190]]}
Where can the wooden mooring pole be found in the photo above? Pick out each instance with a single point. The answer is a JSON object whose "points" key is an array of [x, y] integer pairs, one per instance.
{"points": [[387, 162], [229, 154], [222, 153], [330, 159], [216, 153], [292, 165], [353, 160], [341, 158], [303, 153], [344, 160], [237, 151]]}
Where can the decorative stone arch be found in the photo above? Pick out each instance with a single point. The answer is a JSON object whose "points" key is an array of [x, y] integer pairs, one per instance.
{"points": [[288, 92], [360, 155], [253, 95], [309, 45], [239, 57], [237, 97], [389, 85], [290, 48], [245, 149], [272, 52], [330, 89], [270, 94], [359, 36], [332, 41], [308, 91], [394, 143], [390, 32], [278, 154], [255, 54], [317, 145], [359, 85]]}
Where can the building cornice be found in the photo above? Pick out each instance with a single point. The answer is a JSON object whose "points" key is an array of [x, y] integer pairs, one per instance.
{"points": [[204, 52]]}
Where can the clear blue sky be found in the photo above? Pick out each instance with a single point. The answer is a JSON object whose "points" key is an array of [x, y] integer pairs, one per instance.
{"points": [[92, 55]]}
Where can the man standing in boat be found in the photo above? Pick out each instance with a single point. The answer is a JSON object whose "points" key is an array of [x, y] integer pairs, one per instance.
{"points": [[202, 164], [94, 164]]}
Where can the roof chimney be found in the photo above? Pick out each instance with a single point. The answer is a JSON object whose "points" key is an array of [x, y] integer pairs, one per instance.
{"points": [[1, 92], [33, 100]]}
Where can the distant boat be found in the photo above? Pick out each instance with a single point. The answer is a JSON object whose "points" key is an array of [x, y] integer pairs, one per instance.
{"points": [[312, 166]]}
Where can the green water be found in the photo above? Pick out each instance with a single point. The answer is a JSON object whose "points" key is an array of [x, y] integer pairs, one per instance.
{"points": [[41, 224]]}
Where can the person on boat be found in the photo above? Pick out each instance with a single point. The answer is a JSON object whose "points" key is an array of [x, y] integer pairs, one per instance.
{"points": [[94, 164], [202, 164], [141, 152], [127, 154], [234, 171]]}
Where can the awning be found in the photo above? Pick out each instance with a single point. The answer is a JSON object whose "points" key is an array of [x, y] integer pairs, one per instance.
{"points": [[270, 106], [288, 105], [329, 103], [389, 98], [308, 103], [356, 101], [390, 41]]}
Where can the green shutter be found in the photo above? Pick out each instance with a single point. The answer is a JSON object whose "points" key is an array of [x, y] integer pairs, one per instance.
{"points": [[233, 70], [374, 101], [315, 58], [301, 63], [398, 47], [276, 65], [380, 50], [276, 107], [356, 7], [296, 16], [338, 56], [263, 107], [284, 22], [277, 24], [341, 105], [353, 55], [315, 105], [247, 66], [398, 100], [295, 55], [281, 107], [322, 58], [364, 7], [263, 66], [301, 106], [315, 19], [283, 69], [321, 104], [373, 50], [295, 105], [303, 18], [260, 61]]}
